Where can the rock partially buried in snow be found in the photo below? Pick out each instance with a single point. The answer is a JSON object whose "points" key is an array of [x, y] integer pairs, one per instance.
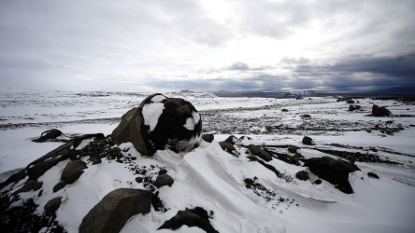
{"points": [[334, 171], [48, 135], [110, 214], [160, 123], [380, 111]]}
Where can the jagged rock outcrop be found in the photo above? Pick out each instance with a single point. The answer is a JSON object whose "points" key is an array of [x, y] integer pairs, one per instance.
{"points": [[110, 214], [160, 123]]}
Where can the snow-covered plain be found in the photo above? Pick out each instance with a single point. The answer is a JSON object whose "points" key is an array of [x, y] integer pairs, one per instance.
{"points": [[213, 179]]}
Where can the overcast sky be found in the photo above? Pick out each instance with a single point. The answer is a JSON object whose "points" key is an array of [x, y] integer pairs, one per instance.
{"points": [[152, 45]]}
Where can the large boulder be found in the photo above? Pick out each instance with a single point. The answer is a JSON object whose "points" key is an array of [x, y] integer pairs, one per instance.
{"points": [[160, 123], [334, 171], [380, 111], [110, 214]]}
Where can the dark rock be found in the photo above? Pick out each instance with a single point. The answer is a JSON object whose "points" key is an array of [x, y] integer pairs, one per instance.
{"points": [[157, 203], [139, 179], [73, 171], [307, 140], [38, 167], [23, 218], [267, 166], [77, 141], [298, 156], [284, 110], [189, 218], [29, 186], [350, 101], [48, 135], [334, 171], [227, 146], [208, 137], [162, 171], [16, 177], [233, 140], [164, 179], [293, 149], [318, 181], [37, 185], [269, 128], [380, 111], [59, 186], [354, 107], [256, 150], [110, 214], [178, 126], [245, 137], [285, 157], [302, 175], [52, 205], [372, 175]]}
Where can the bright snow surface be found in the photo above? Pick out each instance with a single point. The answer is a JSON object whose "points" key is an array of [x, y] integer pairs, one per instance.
{"points": [[213, 179]]}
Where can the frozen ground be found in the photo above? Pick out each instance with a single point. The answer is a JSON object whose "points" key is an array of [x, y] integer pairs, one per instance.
{"points": [[213, 179]]}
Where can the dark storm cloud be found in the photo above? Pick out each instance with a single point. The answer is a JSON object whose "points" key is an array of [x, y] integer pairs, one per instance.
{"points": [[354, 72]]}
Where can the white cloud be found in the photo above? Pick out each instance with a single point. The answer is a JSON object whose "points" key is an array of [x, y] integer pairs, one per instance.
{"points": [[131, 43]]}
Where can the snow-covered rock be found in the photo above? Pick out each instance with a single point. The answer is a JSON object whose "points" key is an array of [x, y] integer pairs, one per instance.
{"points": [[160, 123]]}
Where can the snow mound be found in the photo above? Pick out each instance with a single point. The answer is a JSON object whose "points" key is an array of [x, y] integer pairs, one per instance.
{"points": [[213, 190]]}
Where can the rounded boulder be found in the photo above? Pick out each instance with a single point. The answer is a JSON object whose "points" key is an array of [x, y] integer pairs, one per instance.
{"points": [[160, 123]]}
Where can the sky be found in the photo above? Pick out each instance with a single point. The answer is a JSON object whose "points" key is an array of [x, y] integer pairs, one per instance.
{"points": [[208, 45]]}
